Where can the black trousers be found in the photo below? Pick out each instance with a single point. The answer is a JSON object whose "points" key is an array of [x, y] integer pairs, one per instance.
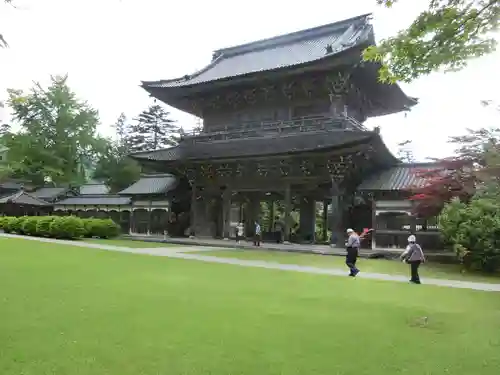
{"points": [[279, 236], [351, 258], [256, 240], [414, 264]]}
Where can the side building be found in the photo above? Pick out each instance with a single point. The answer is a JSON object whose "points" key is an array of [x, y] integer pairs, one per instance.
{"points": [[142, 208]]}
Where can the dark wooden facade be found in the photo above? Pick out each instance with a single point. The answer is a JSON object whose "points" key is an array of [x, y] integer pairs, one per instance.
{"points": [[283, 122]]}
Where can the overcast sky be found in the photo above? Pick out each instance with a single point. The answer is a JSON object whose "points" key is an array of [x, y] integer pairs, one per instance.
{"points": [[108, 46]]}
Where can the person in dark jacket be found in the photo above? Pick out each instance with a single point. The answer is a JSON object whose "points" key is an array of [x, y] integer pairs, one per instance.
{"points": [[414, 256]]}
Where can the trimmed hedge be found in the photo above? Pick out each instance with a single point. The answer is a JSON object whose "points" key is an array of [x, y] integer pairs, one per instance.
{"points": [[62, 227]]}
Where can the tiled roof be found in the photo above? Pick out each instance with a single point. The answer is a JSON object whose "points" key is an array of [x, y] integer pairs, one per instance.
{"points": [[151, 184], [13, 185], [96, 200], [22, 197], [49, 193], [94, 188], [280, 52], [400, 177], [259, 146]]}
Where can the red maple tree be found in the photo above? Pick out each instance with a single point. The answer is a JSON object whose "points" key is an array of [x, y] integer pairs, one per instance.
{"points": [[439, 183]]}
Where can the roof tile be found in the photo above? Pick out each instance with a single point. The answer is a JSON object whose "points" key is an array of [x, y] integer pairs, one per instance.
{"points": [[22, 197], [49, 192], [259, 146], [279, 52], [94, 188], [151, 184], [400, 177], [89, 200]]}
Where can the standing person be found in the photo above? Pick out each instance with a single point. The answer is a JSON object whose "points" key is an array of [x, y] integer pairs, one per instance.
{"points": [[352, 247], [278, 230], [414, 256], [256, 239], [239, 232]]}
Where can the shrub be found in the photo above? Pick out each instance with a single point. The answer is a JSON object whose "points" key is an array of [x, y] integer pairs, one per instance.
{"points": [[29, 225], [89, 225], [101, 228], [7, 223], [3, 221], [68, 227], [17, 223], [474, 231], [63, 227], [43, 225]]}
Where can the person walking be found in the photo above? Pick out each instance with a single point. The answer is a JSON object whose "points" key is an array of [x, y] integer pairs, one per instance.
{"points": [[414, 256], [256, 239], [352, 248], [239, 232]]}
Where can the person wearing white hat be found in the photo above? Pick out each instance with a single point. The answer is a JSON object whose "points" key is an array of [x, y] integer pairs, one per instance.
{"points": [[414, 256], [352, 248]]}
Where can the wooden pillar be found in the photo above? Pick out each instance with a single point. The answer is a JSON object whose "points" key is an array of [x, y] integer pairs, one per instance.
{"points": [[307, 218], [193, 210], [271, 214], [148, 232], [374, 224], [288, 208], [324, 235], [226, 213], [337, 211]]}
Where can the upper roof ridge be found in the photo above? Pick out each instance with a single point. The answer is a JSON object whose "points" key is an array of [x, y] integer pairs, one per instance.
{"points": [[293, 37]]}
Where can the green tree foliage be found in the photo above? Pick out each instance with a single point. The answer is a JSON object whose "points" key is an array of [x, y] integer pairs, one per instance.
{"points": [[114, 167], [153, 129], [474, 231], [445, 36], [57, 135], [472, 227]]}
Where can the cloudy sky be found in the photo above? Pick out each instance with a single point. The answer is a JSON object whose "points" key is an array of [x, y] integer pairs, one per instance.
{"points": [[108, 46]]}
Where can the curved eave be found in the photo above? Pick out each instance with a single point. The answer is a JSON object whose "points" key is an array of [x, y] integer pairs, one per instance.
{"points": [[254, 148], [347, 56], [389, 98], [383, 155]]}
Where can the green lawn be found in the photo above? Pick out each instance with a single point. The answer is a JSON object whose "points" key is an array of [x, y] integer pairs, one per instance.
{"points": [[70, 310], [129, 243], [392, 267]]}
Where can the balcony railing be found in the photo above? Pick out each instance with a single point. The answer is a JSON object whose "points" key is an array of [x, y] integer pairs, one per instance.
{"points": [[276, 128]]}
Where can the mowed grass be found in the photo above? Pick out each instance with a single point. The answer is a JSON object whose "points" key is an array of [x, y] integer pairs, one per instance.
{"points": [[391, 267], [69, 310], [128, 243]]}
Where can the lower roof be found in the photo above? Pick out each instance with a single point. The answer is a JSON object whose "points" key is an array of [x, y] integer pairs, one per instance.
{"points": [[260, 146], [401, 177], [95, 200], [151, 185], [23, 198], [49, 192]]}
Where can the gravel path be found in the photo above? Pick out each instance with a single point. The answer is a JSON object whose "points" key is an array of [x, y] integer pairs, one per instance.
{"points": [[183, 252]]}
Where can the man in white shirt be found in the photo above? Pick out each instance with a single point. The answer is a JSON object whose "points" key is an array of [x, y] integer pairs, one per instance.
{"points": [[258, 233], [239, 232], [352, 248]]}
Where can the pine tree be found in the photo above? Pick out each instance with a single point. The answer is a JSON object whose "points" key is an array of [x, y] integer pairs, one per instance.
{"points": [[153, 130], [122, 129], [114, 166]]}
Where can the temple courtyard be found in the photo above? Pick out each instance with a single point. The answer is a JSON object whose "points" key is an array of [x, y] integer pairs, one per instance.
{"points": [[130, 307]]}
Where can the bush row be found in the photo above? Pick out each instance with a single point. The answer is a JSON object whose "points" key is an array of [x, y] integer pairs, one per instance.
{"points": [[62, 227]]}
